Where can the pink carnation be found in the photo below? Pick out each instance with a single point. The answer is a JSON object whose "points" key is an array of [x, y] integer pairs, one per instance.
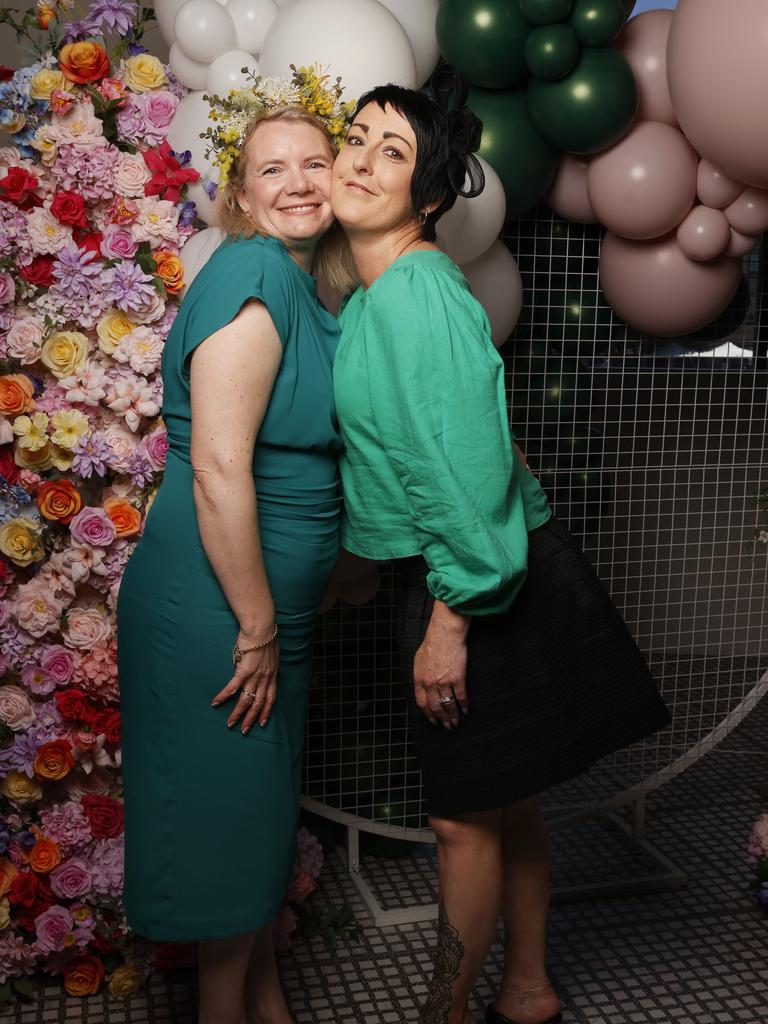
{"points": [[107, 867], [96, 672], [17, 955], [66, 824]]}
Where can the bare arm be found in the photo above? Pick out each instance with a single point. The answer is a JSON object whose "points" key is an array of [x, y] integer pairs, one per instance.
{"points": [[231, 379]]}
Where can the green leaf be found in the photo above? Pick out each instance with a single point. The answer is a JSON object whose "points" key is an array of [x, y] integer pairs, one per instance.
{"points": [[6, 993], [24, 987]]}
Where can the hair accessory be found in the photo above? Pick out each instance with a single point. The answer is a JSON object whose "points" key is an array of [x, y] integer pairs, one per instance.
{"points": [[464, 130], [308, 87]]}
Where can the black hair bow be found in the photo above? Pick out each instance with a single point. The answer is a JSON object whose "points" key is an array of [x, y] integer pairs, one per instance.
{"points": [[464, 130]]}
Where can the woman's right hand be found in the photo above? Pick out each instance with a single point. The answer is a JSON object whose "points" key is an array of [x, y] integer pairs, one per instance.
{"points": [[255, 673]]}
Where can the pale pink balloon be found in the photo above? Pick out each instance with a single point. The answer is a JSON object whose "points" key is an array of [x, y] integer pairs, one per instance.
{"points": [[717, 68], [749, 213], [740, 245], [655, 288], [704, 234], [643, 42], [715, 188], [644, 185], [568, 196]]}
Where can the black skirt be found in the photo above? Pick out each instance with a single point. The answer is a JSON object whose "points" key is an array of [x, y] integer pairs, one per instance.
{"points": [[554, 684]]}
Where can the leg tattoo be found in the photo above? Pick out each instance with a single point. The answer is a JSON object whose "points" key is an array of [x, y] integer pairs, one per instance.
{"points": [[450, 953]]}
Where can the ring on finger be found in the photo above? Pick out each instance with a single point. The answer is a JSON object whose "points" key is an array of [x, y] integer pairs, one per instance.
{"points": [[446, 700], [248, 694]]}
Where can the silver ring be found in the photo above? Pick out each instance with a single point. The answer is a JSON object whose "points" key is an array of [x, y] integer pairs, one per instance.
{"points": [[248, 693], [446, 700]]}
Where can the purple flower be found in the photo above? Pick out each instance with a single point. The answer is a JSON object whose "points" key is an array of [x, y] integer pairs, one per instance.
{"points": [[91, 456], [77, 30], [139, 469], [107, 867], [20, 756], [128, 286], [7, 289], [26, 840], [211, 188], [116, 15], [92, 526], [74, 268], [188, 214]]}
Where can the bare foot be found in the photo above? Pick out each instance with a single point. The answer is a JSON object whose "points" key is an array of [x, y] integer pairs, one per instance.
{"points": [[534, 1007]]}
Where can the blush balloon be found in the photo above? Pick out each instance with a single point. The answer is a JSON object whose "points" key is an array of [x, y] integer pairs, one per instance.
{"points": [[656, 289], [644, 186], [739, 245], [748, 213], [568, 196], [715, 188], [496, 284], [704, 234], [643, 42]]}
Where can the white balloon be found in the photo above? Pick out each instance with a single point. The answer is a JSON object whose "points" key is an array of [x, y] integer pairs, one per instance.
{"points": [[204, 30], [198, 250], [165, 13], [190, 119], [496, 284], [191, 73], [357, 39], [418, 19], [283, 3], [252, 18], [225, 72], [480, 223]]}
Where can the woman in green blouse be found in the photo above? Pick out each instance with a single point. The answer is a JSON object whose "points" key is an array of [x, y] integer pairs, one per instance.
{"points": [[520, 672]]}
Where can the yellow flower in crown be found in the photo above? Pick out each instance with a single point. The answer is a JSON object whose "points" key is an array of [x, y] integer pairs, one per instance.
{"points": [[309, 87]]}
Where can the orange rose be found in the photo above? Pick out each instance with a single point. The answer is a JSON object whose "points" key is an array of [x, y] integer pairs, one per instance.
{"points": [[83, 62], [59, 501], [7, 874], [170, 270], [83, 975], [126, 517], [45, 14], [45, 856], [54, 760], [16, 391]]}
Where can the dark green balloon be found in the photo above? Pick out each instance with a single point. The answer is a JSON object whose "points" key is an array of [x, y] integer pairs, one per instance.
{"points": [[572, 315], [524, 161], [545, 12], [629, 6], [485, 39], [549, 404], [597, 22], [591, 108], [551, 51]]}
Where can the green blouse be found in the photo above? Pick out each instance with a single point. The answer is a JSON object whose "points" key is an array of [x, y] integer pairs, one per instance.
{"points": [[428, 465]]}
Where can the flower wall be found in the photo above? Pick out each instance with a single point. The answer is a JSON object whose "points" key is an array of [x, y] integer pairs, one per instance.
{"points": [[92, 220]]}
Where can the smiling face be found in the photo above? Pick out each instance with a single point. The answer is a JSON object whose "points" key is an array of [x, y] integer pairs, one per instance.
{"points": [[372, 174], [287, 183]]}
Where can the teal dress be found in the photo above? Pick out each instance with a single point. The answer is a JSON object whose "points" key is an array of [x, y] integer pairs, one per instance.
{"points": [[211, 815]]}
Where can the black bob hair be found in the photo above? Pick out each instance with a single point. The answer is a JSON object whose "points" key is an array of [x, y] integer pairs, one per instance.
{"points": [[430, 182]]}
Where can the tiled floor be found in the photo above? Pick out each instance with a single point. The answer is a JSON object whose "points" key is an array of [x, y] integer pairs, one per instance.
{"points": [[697, 955]]}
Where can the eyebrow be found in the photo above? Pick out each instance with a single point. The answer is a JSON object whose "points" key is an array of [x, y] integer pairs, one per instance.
{"points": [[280, 160], [385, 135]]}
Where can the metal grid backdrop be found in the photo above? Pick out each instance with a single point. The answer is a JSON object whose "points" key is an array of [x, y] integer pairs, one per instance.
{"points": [[653, 452]]}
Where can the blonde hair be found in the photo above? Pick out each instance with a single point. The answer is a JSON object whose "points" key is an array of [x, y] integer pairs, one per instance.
{"points": [[333, 258]]}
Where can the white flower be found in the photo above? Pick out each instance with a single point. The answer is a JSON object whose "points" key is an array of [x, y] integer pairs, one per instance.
{"points": [[44, 141], [157, 222], [25, 336], [131, 175], [132, 398], [141, 348], [78, 127], [123, 445], [150, 311], [86, 386], [46, 234]]}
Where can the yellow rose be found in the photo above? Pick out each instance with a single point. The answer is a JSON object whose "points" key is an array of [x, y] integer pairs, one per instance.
{"points": [[126, 981], [111, 328], [45, 144], [20, 541], [19, 788], [45, 81], [143, 73], [64, 352], [5, 913], [38, 461]]}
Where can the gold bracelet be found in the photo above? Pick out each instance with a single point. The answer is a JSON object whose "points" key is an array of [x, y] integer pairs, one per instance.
{"points": [[237, 653]]}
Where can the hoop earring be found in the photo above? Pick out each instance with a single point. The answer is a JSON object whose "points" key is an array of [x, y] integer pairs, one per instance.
{"points": [[423, 218]]}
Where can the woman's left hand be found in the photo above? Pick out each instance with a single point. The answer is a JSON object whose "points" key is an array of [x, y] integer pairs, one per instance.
{"points": [[440, 668]]}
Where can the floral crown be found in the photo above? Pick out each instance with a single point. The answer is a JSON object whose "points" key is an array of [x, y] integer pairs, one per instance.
{"points": [[309, 87]]}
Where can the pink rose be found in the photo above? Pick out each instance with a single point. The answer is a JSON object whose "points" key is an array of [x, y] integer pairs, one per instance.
{"points": [[37, 609], [7, 289], [86, 628], [118, 243], [57, 662], [71, 879], [52, 928], [92, 526], [111, 88], [25, 338], [15, 708], [122, 444], [29, 481], [158, 109], [154, 448], [131, 175]]}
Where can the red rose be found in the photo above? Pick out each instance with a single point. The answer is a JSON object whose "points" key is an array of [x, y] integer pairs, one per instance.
{"points": [[18, 186], [8, 467], [106, 721], [90, 241], [24, 889], [6, 73], [169, 955], [39, 271], [105, 815], [69, 208], [72, 705]]}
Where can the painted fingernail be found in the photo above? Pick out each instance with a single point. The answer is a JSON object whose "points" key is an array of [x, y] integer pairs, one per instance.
{"points": [[230, 724], [214, 703]]}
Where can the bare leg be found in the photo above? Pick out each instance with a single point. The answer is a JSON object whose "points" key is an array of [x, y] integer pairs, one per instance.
{"points": [[525, 845], [470, 864], [263, 992], [222, 967]]}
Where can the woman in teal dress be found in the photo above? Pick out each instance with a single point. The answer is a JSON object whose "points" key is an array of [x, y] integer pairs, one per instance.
{"points": [[217, 603], [519, 670]]}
